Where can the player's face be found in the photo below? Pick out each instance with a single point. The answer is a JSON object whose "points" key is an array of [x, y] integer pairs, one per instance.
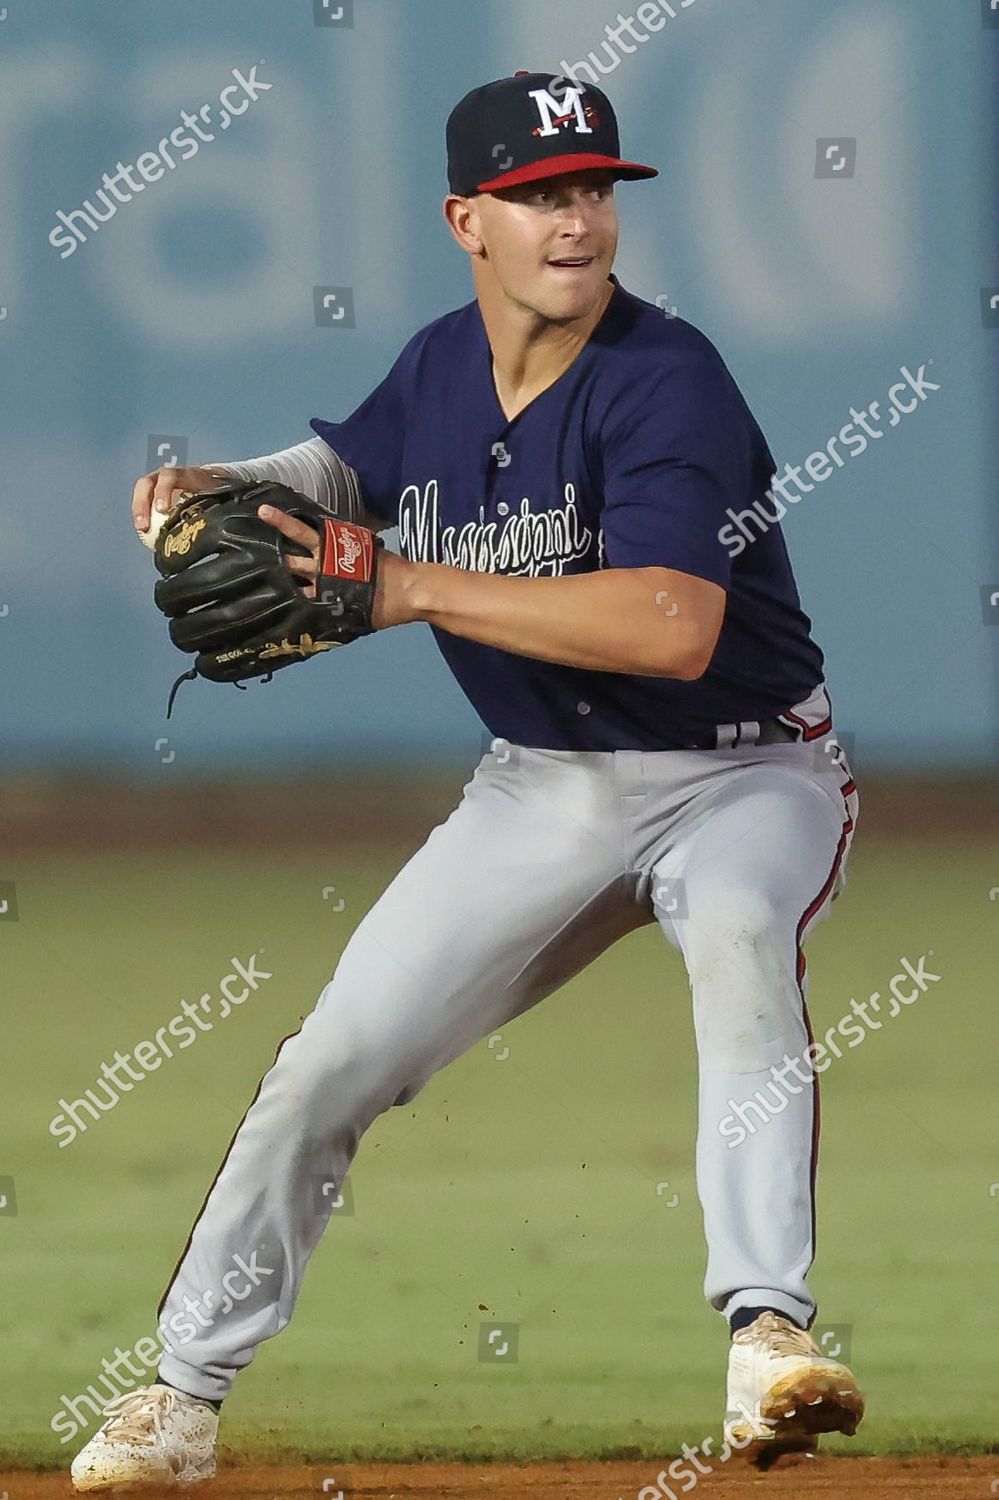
{"points": [[551, 244]]}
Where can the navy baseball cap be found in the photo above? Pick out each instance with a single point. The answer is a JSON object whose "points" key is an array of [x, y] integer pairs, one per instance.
{"points": [[532, 126]]}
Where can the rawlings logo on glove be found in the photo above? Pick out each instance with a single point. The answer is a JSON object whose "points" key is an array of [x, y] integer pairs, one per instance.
{"points": [[180, 541], [230, 596]]}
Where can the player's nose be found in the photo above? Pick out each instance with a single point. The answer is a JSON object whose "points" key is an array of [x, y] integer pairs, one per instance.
{"points": [[573, 225], [575, 219]]}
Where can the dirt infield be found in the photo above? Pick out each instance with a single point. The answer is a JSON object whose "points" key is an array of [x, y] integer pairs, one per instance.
{"points": [[58, 815], [856, 1478]]}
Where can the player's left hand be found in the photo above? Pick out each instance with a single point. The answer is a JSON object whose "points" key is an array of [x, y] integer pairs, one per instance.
{"points": [[390, 605], [305, 569]]}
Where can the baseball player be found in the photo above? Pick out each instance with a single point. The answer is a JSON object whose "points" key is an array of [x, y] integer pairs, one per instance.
{"points": [[581, 497]]}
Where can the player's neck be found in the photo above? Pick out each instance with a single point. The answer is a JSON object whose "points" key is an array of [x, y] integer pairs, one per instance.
{"points": [[529, 352]]}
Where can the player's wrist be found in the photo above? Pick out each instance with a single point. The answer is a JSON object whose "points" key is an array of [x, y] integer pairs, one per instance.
{"points": [[396, 590]]}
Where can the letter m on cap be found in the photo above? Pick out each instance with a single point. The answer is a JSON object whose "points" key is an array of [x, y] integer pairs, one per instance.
{"points": [[559, 111]]}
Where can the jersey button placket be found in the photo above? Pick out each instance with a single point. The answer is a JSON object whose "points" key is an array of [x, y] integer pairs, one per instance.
{"points": [[499, 463]]}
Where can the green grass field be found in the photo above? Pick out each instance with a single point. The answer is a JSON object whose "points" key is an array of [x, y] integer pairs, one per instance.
{"points": [[519, 1189]]}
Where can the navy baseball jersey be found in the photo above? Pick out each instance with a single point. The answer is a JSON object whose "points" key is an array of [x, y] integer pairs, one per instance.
{"points": [[636, 456]]}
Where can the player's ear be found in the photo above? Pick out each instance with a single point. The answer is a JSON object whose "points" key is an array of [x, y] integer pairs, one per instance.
{"points": [[463, 221]]}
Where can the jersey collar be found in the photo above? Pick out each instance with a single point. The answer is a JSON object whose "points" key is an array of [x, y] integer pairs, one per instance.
{"points": [[483, 354]]}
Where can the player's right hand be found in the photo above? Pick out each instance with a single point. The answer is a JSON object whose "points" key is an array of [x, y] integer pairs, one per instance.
{"points": [[160, 489]]}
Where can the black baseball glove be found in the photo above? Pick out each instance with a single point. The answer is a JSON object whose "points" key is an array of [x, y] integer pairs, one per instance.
{"points": [[231, 598]]}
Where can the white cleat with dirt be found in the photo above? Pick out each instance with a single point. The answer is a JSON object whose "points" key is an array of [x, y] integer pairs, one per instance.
{"points": [[783, 1392], [155, 1437]]}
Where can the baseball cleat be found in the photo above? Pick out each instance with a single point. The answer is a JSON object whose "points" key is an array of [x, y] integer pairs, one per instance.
{"points": [[783, 1392], [154, 1437]]}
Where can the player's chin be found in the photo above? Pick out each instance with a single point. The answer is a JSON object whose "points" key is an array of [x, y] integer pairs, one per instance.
{"points": [[572, 292]]}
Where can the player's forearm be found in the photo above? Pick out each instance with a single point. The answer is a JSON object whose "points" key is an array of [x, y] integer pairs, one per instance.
{"points": [[314, 469], [615, 620]]}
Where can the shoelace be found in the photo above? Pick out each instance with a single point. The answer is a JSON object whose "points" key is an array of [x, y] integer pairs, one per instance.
{"points": [[139, 1414], [779, 1335]]}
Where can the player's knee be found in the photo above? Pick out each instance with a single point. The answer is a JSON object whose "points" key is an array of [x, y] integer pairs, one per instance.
{"points": [[741, 962], [336, 1070], [364, 1081], [736, 931]]}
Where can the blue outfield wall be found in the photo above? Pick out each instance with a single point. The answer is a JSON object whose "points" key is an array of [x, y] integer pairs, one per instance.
{"points": [[825, 214]]}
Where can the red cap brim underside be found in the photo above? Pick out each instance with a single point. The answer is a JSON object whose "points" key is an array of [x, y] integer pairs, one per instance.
{"points": [[558, 166]]}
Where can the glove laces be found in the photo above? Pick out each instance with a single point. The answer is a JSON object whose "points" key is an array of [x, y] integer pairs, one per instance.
{"points": [[184, 677], [192, 675]]}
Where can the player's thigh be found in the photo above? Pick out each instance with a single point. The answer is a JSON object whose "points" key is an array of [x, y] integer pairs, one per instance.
{"points": [[508, 898], [755, 865]]}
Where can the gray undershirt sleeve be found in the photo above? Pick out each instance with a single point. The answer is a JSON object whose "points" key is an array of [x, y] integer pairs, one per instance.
{"points": [[312, 468]]}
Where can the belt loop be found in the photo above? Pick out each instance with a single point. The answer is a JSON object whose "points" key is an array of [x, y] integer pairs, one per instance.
{"points": [[749, 732], [726, 736]]}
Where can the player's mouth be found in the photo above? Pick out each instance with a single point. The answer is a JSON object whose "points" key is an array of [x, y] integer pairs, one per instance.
{"points": [[573, 262]]}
